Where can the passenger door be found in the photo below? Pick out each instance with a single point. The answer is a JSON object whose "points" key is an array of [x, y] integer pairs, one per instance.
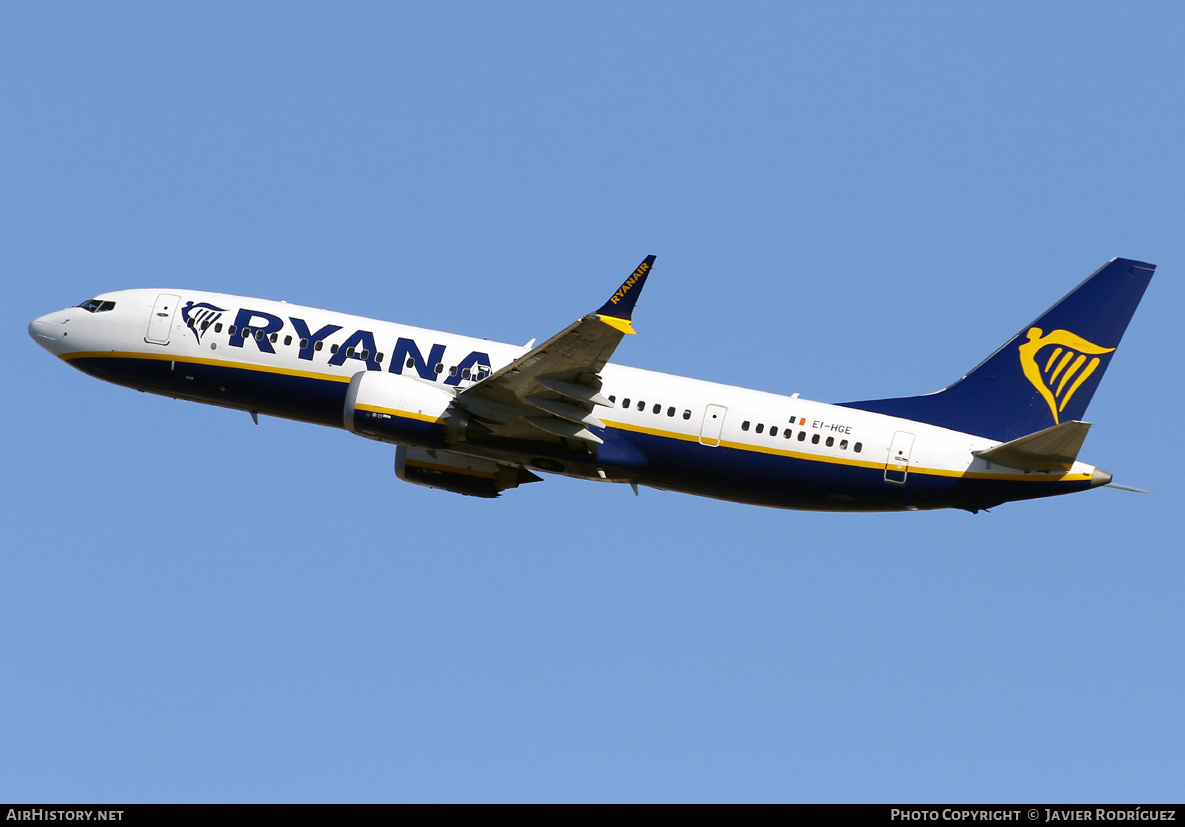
{"points": [[161, 321], [897, 465]]}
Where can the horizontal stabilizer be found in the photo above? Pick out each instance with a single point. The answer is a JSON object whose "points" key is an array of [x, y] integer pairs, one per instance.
{"points": [[1053, 448]]}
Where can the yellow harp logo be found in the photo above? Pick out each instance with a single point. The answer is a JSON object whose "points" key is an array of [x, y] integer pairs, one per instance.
{"points": [[1058, 374]]}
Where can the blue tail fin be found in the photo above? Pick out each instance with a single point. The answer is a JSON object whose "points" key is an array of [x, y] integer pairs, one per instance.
{"points": [[1044, 375]]}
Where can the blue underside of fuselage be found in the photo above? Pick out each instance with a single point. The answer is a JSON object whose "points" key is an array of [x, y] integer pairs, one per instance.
{"points": [[662, 462]]}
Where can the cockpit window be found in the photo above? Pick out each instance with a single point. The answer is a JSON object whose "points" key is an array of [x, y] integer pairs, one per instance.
{"points": [[96, 306]]}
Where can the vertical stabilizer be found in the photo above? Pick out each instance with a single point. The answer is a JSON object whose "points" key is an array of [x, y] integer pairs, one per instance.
{"points": [[1047, 373]]}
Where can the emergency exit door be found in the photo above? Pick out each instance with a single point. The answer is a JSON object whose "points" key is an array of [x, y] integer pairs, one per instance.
{"points": [[709, 432]]}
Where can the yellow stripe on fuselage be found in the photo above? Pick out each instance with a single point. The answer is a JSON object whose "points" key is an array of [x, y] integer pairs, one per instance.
{"points": [[199, 360], [625, 426], [251, 366], [740, 446], [855, 463]]}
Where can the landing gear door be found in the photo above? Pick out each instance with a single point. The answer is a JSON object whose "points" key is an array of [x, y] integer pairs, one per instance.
{"points": [[709, 432], [897, 466], [161, 320]]}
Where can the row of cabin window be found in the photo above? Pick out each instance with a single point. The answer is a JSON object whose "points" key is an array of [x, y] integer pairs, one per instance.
{"points": [[365, 354], [787, 433], [657, 409]]}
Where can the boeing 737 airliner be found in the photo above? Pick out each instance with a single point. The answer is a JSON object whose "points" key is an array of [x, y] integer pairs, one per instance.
{"points": [[477, 417]]}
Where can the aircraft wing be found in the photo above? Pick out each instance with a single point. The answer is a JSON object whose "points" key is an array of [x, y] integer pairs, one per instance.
{"points": [[551, 391]]}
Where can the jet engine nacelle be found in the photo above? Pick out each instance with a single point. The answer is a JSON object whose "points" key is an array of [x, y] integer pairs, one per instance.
{"points": [[459, 474], [390, 407]]}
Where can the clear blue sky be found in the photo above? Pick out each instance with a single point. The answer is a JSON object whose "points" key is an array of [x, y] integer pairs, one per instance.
{"points": [[846, 200]]}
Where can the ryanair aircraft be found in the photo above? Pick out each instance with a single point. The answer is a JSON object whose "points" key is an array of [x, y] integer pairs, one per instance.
{"points": [[477, 417]]}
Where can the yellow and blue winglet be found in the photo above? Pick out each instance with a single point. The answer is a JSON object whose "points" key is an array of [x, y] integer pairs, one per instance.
{"points": [[619, 310]]}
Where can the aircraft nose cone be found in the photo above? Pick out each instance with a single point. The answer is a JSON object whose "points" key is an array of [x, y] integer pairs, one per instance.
{"points": [[47, 330], [1099, 477]]}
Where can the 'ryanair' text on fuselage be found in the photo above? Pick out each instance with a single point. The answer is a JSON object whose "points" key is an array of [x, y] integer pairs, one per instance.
{"points": [[258, 326]]}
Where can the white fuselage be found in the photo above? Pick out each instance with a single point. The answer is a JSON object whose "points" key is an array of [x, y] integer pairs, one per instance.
{"points": [[700, 437]]}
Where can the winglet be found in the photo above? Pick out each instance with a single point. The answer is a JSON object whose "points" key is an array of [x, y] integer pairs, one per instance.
{"points": [[619, 310]]}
